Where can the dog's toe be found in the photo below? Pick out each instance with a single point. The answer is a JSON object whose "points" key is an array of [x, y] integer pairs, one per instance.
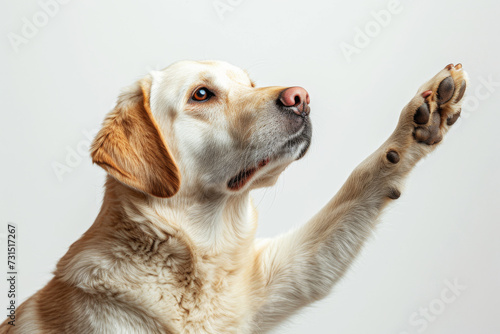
{"points": [[441, 107]]}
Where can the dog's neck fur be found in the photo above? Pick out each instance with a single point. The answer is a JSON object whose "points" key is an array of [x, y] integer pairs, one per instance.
{"points": [[218, 224]]}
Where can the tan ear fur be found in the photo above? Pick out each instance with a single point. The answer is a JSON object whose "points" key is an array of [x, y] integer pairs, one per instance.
{"points": [[131, 147]]}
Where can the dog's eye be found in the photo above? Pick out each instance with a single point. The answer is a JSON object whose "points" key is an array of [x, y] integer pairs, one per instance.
{"points": [[202, 94]]}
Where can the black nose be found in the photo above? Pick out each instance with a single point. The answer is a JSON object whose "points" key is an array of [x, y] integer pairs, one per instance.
{"points": [[296, 99]]}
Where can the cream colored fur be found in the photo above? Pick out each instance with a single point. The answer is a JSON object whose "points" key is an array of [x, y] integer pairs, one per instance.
{"points": [[183, 258]]}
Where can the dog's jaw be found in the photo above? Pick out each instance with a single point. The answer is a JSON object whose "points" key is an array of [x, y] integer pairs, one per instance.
{"points": [[241, 179]]}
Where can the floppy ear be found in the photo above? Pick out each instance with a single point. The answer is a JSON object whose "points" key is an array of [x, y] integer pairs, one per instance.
{"points": [[131, 147]]}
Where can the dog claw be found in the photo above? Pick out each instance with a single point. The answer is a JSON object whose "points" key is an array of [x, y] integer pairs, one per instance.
{"points": [[426, 93]]}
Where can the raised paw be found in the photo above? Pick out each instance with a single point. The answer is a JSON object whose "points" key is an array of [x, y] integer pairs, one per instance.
{"points": [[441, 105]]}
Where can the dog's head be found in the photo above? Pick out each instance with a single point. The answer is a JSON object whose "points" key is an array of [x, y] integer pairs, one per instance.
{"points": [[207, 123]]}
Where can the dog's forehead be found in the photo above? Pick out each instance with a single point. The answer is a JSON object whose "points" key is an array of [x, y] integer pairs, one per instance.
{"points": [[184, 74], [224, 73]]}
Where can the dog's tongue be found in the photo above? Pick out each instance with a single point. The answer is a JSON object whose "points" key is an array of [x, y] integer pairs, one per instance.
{"points": [[239, 181]]}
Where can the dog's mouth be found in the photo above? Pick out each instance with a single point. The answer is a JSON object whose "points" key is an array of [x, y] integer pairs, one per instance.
{"points": [[237, 182]]}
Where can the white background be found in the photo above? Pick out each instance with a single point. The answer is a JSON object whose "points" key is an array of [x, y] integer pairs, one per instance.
{"points": [[63, 80]]}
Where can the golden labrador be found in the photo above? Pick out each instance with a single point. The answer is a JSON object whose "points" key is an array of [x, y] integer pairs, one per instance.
{"points": [[173, 248]]}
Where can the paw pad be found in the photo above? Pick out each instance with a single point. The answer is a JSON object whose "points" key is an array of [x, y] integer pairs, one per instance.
{"points": [[422, 114], [441, 107], [393, 157]]}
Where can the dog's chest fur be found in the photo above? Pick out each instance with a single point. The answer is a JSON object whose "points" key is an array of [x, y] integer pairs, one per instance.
{"points": [[162, 277]]}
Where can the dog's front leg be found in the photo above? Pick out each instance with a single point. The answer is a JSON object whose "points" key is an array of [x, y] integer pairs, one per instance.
{"points": [[303, 265]]}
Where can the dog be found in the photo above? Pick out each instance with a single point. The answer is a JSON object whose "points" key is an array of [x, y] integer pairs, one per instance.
{"points": [[173, 248]]}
